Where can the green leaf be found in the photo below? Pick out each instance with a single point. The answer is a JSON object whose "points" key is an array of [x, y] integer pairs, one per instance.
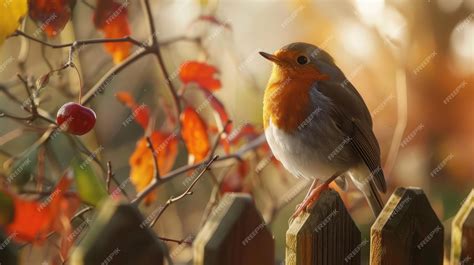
{"points": [[90, 187], [23, 169], [7, 211]]}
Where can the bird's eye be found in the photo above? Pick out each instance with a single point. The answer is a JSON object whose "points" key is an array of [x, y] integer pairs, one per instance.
{"points": [[302, 60]]}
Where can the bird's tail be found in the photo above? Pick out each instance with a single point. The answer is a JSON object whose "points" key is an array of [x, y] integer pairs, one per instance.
{"points": [[373, 198]]}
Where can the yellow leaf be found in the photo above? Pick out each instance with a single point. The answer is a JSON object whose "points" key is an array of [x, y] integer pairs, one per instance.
{"points": [[11, 12]]}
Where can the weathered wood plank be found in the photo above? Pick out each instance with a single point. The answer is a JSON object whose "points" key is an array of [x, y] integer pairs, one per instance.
{"points": [[462, 237], [235, 234], [407, 231], [120, 236], [326, 235]]}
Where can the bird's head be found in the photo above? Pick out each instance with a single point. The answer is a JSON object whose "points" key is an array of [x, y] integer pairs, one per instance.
{"points": [[303, 61]]}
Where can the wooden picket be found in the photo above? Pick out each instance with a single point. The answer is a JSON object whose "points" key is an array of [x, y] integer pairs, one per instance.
{"points": [[326, 235], [462, 233], [120, 236], [406, 232], [235, 234]]}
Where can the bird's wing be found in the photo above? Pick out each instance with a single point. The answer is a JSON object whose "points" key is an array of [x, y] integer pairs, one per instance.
{"points": [[352, 116]]}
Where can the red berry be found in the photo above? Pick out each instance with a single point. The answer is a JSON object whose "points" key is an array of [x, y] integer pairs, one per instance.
{"points": [[75, 118]]}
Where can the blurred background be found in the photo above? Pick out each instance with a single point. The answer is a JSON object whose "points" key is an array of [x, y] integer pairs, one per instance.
{"points": [[412, 61]]}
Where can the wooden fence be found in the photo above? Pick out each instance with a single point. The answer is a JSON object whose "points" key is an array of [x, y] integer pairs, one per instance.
{"points": [[407, 232]]}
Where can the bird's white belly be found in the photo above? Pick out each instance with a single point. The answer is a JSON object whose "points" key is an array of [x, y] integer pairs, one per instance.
{"points": [[296, 156]]}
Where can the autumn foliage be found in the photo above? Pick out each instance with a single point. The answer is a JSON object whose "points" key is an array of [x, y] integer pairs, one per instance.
{"points": [[51, 15], [112, 19], [201, 74], [33, 220], [194, 134], [39, 207]]}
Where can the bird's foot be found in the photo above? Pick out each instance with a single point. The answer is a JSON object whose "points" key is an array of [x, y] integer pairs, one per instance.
{"points": [[310, 199]]}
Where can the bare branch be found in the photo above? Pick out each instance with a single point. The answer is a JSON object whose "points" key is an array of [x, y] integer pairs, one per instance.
{"points": [[110, 175], [156, 50], [187, 192], [156, 169], [79, 42], [175, 173], [115, 70], [176, 240]]}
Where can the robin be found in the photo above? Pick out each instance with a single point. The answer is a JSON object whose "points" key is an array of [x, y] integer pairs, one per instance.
{"points": [[318, 126]]}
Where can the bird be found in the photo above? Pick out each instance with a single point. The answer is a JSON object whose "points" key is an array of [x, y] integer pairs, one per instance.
{"points": [[318, 125]]}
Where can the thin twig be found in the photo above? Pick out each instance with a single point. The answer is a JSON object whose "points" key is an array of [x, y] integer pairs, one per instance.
{"points": [[110, 175], [175, 173], [151, 23], [187, 192], [218, 139], [10, 95], [79, 42], [178, 38], [175, 240], [33, 110], [156, 169], [4, 114], [157, 51], [115, 70], [215, 195], [82, 212]]}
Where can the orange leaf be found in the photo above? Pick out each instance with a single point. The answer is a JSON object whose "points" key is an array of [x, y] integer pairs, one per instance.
{"points": [[201, 74], [141, 160], [194, 134], [112, 18], [51, 15], [34, 220], [141, 113]]}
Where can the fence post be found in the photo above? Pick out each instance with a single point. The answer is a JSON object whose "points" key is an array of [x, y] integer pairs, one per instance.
{"points": [[119, 235], [407, 231], [235, 234], [326, 235], [462, 238]]}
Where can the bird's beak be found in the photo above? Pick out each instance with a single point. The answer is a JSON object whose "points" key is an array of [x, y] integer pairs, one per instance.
{"points": [[270, 57]]}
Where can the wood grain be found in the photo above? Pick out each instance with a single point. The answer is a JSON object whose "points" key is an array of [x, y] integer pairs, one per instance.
{"points": [[462, 234], [326, 235], [407, 231], [119, 236], [235, 234]]}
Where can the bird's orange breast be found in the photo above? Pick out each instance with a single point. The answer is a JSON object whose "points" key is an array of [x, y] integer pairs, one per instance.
{"points": [[287, 102]]}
